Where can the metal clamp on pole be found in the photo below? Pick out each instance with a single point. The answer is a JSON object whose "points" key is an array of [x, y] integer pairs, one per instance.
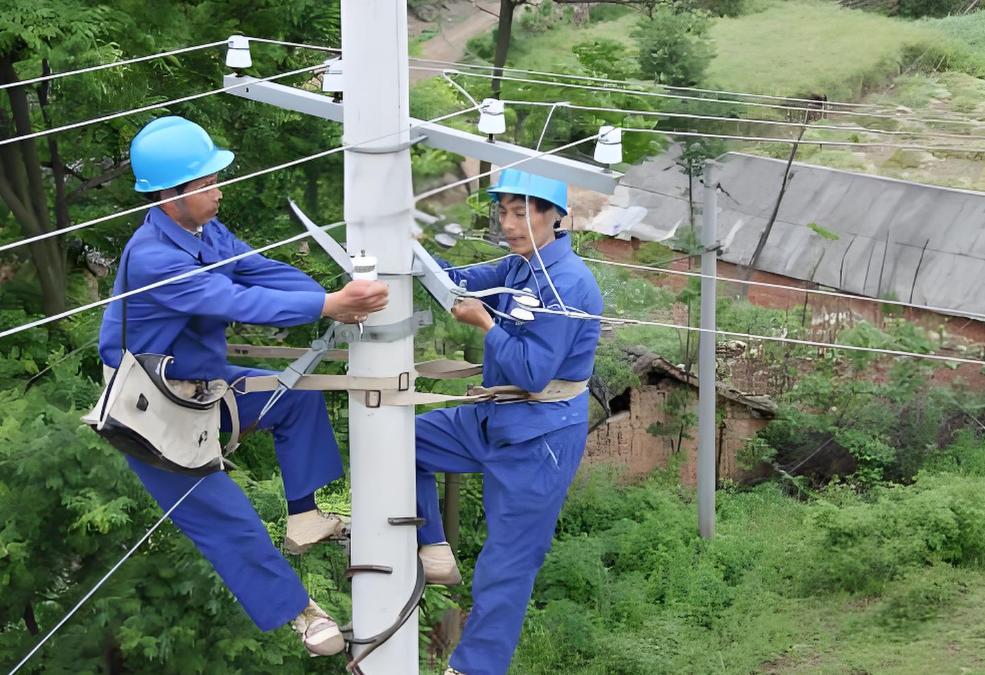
{"points": [[386, 150], [387, 333]]}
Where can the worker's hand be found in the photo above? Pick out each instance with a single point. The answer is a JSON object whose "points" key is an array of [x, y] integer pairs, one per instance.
{"points": [[472, 312], [356, 301]]}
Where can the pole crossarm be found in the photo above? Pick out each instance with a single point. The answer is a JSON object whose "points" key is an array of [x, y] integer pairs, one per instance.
{"points": [[438, 136]]}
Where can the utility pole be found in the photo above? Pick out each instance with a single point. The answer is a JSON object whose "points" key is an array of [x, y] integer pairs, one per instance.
{"points": [[379, 215], [379, 208], [707, 468]]}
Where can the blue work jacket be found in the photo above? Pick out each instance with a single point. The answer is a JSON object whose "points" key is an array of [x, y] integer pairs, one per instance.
{"points": [[531, 354], [187, 319]]}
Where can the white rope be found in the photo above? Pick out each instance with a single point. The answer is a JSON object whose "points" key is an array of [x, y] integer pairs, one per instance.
{"points": [[636, 92], [813, 291], [114, 64], [750, 336], [221, 184], [742, 120], [804, 141], [106, 577], [154, 106]]}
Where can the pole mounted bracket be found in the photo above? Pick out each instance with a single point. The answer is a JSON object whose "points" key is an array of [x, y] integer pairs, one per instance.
{"points": [[446, 292], [330, 246]]}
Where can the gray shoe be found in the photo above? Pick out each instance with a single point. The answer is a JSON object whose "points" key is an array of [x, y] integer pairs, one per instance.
{"points": [[440, 568], [319, 633]]}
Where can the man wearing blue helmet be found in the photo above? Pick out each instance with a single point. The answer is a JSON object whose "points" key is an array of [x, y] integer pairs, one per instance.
{"points": [[528, 451], [187, 320]]}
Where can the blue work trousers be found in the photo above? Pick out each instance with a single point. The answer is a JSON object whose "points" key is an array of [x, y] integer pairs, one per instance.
{"points": [[524, 487], [219, 519]]}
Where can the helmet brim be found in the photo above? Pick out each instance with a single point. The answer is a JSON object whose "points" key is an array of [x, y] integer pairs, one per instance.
{"points": [[219, 160], [496, 191]]}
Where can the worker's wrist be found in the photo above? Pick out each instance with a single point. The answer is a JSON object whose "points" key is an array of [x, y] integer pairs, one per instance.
{"points": [[330, 306]]}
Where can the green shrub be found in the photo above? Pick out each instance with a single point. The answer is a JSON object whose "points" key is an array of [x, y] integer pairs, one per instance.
{"points": [[603, 12], [606, 58], [916, 8], [920, 595], [864, 547], [674, 48]]}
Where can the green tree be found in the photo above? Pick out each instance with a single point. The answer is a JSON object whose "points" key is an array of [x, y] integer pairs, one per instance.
{"points": [[674, 47]]}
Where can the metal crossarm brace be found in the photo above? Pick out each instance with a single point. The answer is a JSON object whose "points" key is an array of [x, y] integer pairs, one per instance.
{"points": [[438, 136]]}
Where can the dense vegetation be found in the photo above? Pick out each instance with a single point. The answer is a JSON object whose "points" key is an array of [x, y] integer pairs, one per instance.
{"points": [[869, 561]]}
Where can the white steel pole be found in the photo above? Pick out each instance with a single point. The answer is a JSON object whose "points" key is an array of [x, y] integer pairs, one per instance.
{"points": [[706, 357], [379, 213]]}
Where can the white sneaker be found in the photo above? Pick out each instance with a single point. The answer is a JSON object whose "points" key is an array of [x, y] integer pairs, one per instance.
{"points": [[452, 671], [311, 527], [439, 563], [319, 633]]}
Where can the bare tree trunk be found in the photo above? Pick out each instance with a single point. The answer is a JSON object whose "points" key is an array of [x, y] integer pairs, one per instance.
{"points": [[30, 620], [22, 189], [504, 32], [750, 266]]}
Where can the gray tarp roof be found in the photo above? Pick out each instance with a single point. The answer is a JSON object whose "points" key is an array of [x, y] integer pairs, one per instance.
{"points": [[927, 243]]}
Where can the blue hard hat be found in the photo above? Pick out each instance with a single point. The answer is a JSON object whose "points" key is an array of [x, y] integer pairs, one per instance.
{"points": [[171, 151], [516, 182]]}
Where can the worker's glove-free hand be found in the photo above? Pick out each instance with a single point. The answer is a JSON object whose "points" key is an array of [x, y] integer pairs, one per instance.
{"points": [[356, 301], [472, 312]]}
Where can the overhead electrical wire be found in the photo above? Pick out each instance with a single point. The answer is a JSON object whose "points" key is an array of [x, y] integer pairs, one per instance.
{"points": [[752, 336], [605, 80], [819, 105], [812, 291], [112, 64], [105, 577], [736, 120], [220, 184], [636, 92], [155, 106], [807, 141]]}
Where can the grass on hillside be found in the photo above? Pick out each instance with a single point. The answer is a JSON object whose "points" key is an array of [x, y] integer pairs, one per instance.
{"points": [[806, 46], [887, 583]]}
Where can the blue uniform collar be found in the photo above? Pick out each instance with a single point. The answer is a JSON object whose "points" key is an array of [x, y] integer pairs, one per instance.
{"points": [[554, 251], [182, 238]]}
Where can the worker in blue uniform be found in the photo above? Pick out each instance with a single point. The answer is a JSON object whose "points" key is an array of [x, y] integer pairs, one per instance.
{"points": [[187, 319], [528, 452]]}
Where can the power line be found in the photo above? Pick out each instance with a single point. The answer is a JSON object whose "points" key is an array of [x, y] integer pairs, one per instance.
{"points": [[635, 92], [105, 578], [738, 120], [221, 184], [449, 186], [605, 80], [154, 106], [819, 106], [157, 284], [813, 291], [804, 141], [301, 45], [114, 64], [221, 263], [751, 336]]}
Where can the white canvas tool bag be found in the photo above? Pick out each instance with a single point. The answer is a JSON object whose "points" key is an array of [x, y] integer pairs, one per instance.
{"points": [[170, 424]]}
